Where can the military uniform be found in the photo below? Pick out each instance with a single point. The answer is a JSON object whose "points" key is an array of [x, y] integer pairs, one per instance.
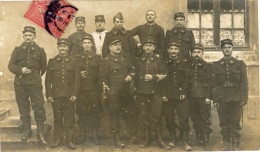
{"points": [[28, 87], [62, 82]]}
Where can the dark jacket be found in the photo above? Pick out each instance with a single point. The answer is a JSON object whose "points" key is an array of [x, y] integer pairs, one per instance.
{"points": [[62, 77], [31, 56], [230, 81]]}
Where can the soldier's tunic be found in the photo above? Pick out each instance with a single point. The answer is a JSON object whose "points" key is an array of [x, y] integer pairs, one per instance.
{"points": [[113, 71], [63, 81], [182, 36], [201, 88], [88, 105], [230, 89], [176, 84], [28, 87], [149, 92]]}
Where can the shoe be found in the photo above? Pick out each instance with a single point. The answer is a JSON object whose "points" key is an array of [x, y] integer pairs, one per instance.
{"points": [[71, 146], [117, 142], [147, 140], [160, 140]]}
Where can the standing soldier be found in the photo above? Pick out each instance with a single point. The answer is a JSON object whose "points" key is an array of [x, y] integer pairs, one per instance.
{"points": [[150, 69], [181, 35], [99, 34], [116, 74], [75, 39], [230, 94], [175, 96], [62, 87], [28, 63], [200, 105], [153, 30], [89, 105]]}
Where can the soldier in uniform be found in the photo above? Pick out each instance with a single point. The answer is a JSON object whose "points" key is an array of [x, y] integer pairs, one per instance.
{"points": [[150, 70], [230, 94], [128, 50], [99, 34], [62, 88], [181, 35], [116, 74], [89, 105], [28, 63], [175, 94], [153, 30], [75, 39], [200, 96]]}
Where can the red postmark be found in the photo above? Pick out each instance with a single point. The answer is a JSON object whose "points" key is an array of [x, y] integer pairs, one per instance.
{"points": [[52, 15]]}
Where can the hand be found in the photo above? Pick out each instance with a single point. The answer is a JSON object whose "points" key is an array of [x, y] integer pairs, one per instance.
{"points": [[50, 100], [160, 76], [182, 97], [139, 45], [25, 70], [73, 99], [148, 77], [216, 105], [83, 74], [157, 55], [103, 97], [243, 103], [128, 78], [164, 99], [207, 101]]}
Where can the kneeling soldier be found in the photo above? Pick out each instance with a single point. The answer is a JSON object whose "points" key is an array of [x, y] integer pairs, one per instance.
{"points": [[62, 86], [200, 96]]}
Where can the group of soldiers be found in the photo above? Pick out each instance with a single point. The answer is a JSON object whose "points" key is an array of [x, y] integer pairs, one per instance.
{"points": [[154, 78]]}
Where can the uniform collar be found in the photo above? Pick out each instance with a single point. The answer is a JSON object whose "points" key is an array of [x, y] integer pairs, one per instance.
{"points": [[177, 60], [115, 58], [181, 29], [229, 60], [80, 32], [199, 62], [116, 31], [151, 25], [29, 46], [145, 57], [90, 54], [59, 58]]}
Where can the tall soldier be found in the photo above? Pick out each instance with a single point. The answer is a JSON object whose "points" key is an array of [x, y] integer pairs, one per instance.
{"points": [[150, 70], [175, 94], [28, 63], [200, 96], [116, 74], [153, 30], [62, 88], [75, 39], [89, 105], [181, 35], [230, 94]]}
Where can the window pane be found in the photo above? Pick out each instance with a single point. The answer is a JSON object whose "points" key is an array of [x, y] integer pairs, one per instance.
{"points": [[239, 20], [207, 20], [207, 37], [239, 4], [239, 37], [225, 34], [225, 4], [225, 20], [193, 4], [196, 34], [207, 4], [193, 20]]}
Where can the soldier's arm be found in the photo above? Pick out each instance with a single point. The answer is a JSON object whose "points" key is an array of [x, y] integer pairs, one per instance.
{"points": [[186, 78], [244, 82], [48, 80], [77, 80], [135, 31], [105, 48], [161, 71], [209, 80], [167, 37], [12, 65], [214, 83], [192, 40], [43, 62], [104, 71], [162, 42], [100, 85]]}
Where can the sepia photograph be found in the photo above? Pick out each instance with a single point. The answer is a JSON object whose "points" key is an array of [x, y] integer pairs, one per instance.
{"points": [[129, 75]]}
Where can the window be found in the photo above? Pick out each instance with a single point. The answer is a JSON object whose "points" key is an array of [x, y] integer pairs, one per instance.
{"points": [[214, 20]]}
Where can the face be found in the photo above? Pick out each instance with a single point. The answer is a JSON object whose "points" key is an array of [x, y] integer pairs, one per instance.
{"points": [[80, 25], [227, 49], [197, 53], [100, 25], [148, 48], [150, 16], [118, 23], [173, 51], [115, 48], [63, 49], [28, 37], [180, 21], [87, 44]]}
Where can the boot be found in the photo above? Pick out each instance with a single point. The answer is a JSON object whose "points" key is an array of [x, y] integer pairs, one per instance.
{"points": [[82, 133], [57, 141], [206, 142], [227, 144], [118, 142], [199, 138], [27, 131], [235, 143], [71, 146], [95, 137], [147, 140], [40, 136], [172, 143], [133, 139], [187, 147], [160, 140]]}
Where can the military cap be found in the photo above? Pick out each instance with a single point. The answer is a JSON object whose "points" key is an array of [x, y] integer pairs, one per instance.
{"points": [[179, 14], [198, 46], [173, 44], [29, 29], [79, 18], [119, 15], [99, 18], [226, 41], [87, 37], [149, 40], [114, 40], [63, 41]]}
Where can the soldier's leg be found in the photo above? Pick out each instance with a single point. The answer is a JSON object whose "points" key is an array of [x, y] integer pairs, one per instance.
{"points": [[195, 118], [235, 117], [22, 99]]}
